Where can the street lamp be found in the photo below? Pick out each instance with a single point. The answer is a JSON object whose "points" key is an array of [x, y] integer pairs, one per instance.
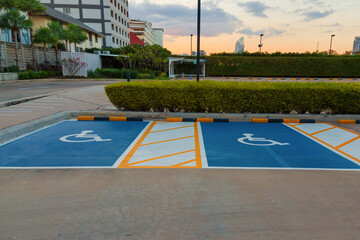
{"points": [[198, 42], [191, 35], [331, 43], [260, 45]]}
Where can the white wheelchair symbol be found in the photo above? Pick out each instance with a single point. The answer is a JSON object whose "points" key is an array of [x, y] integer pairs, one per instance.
{"points": [[84, 136], [262, 142]]}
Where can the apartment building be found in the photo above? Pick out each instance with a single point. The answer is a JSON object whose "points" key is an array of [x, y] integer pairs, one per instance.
{"points": [[143, 30], [159, 36], [356, 48], [108, 17]]}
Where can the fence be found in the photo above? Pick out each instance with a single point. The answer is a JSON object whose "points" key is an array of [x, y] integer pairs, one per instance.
{"points": [[91, 62], [7, 55]]}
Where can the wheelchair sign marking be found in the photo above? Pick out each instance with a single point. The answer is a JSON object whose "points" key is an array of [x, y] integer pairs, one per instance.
{"points": [[261, 142], [84, 136]]}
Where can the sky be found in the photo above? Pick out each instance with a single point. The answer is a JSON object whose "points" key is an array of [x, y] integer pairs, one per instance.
{"points": [[287, 25]]}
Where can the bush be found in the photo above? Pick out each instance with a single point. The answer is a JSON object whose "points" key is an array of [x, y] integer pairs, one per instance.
{"points": [[133, 74], [282, 66], [23, 76], [144, 76], [236, 97], [37, 75]]}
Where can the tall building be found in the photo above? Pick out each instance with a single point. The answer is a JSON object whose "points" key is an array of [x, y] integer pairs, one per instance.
{"points": [[356, 48], [108, 17], [143, 30], [240, 45], [159, 36]]}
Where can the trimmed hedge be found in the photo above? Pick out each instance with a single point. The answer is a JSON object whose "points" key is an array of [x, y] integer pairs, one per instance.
{"points": [[38, 75], [113, 73], [283, 66], [236, 97]]}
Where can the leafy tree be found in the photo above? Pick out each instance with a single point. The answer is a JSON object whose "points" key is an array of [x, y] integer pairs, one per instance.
{"points": [[75, 34], [14, 20], [57, 34], [31, 7], [43, 35], [7, 4]]}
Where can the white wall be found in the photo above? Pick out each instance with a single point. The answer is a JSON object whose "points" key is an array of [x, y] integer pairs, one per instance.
{"points": [[93, 61]]}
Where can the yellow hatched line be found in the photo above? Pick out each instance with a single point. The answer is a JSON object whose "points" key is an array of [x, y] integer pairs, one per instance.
{"points": [[197, 147], [348, 142], [171, 129], [137, 145], [325, 130], [181, 164], [325, 143], [156, 158], [170, 140]]}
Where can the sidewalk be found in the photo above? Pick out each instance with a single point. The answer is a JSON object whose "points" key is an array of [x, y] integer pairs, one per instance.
{"points": [[88, 99]]}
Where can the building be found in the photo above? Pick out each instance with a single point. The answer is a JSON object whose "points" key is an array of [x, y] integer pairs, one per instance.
{"points": [[143, 30], [108, 17], [159, 36], [240, 45], [202, 53], [23, 36], [95, 38], [356, 48], [134, 40]]}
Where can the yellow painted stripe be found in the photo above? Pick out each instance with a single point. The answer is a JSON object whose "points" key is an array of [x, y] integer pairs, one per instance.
{"points": [[347, 121], [291, 120], [293, 78], [117, 119], [156, 158], [348, 155], [205, 120], [258, 120], [170, 129], [348, 142], [170, 140], [85, 118], [180, 164], [197, 147], [325, 130], [137, 145], [174, 119]]}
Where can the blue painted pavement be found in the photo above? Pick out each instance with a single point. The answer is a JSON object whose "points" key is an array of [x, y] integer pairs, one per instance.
{"points": [[224, 150], [45, 149]]}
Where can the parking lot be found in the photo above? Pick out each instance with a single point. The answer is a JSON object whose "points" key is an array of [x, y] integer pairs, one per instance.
{"points": [[160, 144]]}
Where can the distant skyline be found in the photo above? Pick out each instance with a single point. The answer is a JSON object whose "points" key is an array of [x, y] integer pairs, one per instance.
{"points": [[287, 25]]}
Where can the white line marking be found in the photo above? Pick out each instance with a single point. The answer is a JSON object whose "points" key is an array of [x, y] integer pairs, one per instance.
{"points": [[204, 161], [6, 115], [286, 169], [121, 158], [20, 89], [322, 144]]}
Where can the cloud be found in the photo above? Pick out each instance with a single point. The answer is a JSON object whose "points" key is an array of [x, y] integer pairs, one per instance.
{"points": [[180, 20], [255, 8], [269, 32], [310, 14]]}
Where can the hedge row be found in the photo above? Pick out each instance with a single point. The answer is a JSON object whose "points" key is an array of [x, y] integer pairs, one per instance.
{"points": [[236, 97], [37, 75], [283, 66]]}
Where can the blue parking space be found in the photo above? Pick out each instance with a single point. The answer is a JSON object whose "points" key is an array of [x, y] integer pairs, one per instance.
{"points": [[249, 145], [72, 144]]}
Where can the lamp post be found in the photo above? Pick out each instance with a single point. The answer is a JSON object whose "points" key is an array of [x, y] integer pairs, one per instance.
{"points": [[332, 36], [260, 45], [191, 35], [198, 42]]}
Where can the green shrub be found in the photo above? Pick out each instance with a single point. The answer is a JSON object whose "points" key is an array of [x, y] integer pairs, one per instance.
{"points": [[110, 73], [281, 66], [93, 74], [23, 76], [133, 74], [37, 75], [144, 76], [236, 97]]}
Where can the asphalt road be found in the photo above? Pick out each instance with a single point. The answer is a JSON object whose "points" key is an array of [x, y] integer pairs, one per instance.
{"points": [[17, 90]]}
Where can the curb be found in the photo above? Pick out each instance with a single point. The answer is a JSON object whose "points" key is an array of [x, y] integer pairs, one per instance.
{"points": [[122, 119], [347, 121], [273, 120]]}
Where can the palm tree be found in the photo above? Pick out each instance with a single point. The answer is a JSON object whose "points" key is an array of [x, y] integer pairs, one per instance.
{"points": [[7, 4], [75, 34], [31, 7], [12, 19], [57, 34], [43, 35]]}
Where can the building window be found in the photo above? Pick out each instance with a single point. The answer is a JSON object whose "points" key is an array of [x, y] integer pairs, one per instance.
{"points": [[117, 41], [67, 10], [112, 27], [96, 39], [113, 40], [115, 16], [112, 13]]}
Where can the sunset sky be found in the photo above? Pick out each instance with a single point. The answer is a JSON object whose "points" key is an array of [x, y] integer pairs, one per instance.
{"points": [[288, 25]]}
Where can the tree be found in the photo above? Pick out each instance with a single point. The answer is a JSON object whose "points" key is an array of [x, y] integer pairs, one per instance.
{"points": [[75, 34], [7, 4], [57, 34], [43, 35], [12, 19], [31, 7]]}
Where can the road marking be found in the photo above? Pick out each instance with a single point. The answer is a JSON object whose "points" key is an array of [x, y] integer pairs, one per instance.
{"points": [[324, 130], [348, 152], [21, 89], [171, 145]]}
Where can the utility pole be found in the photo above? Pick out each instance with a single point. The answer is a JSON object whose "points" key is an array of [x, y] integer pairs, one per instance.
{"points": [[191, 35], [260, 45], [332, 36], [198, 42]]}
